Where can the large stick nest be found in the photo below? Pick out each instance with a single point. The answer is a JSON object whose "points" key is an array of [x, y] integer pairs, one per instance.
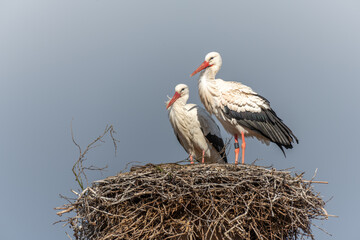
{"points": [[216, 201]]}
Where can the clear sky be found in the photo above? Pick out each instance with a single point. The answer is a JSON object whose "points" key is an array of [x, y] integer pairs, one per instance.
{"points": [[114, 62]]}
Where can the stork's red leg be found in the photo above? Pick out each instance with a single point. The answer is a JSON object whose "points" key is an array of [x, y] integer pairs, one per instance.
{"points": [[191, 159], [237, 150], [203, 154], [243, 145]]}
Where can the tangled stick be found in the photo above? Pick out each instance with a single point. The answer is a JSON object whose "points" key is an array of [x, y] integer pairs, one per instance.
{"points": [[215, 201]]}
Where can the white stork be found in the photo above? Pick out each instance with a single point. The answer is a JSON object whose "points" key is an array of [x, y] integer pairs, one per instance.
{"points": [[240, 110], [194, 128]]}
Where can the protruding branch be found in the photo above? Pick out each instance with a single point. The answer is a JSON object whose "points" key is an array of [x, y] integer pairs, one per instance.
{"points": [[78, 168]]}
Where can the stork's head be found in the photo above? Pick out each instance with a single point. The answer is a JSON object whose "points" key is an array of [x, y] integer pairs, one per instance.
{"points": [[181, 95], [212, 60]]}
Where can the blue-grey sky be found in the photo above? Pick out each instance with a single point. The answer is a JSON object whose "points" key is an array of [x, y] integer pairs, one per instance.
{"points": [[114, 62]]}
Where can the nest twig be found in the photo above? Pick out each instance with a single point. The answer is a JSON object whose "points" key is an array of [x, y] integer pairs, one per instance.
{"points": [[215, 201]]}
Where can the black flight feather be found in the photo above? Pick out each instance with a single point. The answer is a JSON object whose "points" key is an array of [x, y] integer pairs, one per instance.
{"points": [[265, 123], [218, 144]]}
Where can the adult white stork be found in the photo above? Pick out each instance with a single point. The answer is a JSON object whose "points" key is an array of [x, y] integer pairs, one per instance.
{"points": [[194, 128], [239, 109]]}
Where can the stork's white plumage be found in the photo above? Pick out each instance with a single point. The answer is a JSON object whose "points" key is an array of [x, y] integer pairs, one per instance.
{"points": [[239, 109], [194, 128]]}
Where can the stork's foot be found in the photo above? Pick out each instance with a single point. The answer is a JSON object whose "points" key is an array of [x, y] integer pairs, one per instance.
{"points": [[191, 159], [203, 157]]}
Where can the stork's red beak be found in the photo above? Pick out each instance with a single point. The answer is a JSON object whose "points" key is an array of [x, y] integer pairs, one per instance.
{"points": [[204, 65], [174, 98]]}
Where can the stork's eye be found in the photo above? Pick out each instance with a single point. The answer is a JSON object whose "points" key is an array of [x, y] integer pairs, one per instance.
{"points": [[182, 90], [211, 58]]}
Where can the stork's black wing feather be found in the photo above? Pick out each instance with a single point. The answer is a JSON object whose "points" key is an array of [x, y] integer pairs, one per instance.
{"points": [[266, 123], [211, 131], [218, 144]]}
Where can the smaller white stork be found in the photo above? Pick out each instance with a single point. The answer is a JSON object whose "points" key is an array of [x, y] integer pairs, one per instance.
{"points": [[194, 128], [240, 110]]}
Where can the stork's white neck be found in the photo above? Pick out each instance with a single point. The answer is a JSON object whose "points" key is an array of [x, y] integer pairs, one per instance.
{"points": [[209, 73], [180, 102], [207, 89]]}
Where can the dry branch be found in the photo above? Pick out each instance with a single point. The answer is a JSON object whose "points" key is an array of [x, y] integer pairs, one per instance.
{"points": [[216, 201], [78, 168]]}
